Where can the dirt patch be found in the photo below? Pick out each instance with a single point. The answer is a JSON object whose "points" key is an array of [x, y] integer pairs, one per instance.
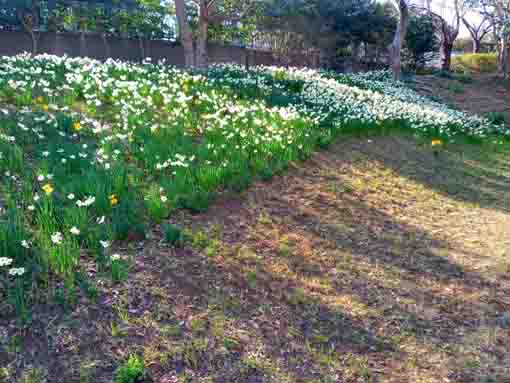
{"points": [[482, 95], [375, 261]]}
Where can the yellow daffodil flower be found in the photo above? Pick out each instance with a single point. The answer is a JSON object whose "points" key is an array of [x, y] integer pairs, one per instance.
{"points": [[113, 200], [48, 189]]}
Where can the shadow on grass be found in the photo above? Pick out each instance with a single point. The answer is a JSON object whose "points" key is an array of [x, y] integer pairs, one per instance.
{"points": [[473, 174], [355, 257], [328, 283], [309, 278]]}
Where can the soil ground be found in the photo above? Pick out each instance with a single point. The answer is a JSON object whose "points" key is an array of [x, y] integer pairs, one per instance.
{"points": [[377, 260], [482, 95]]}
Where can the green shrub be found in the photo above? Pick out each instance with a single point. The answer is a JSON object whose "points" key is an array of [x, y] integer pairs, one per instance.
{"points": [[195, 201], [475, 63], [172, 233], [157, 204], [33, 375], [200, 240], [131, 371]]}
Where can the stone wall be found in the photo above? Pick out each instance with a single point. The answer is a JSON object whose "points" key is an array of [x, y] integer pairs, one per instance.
{"points": [[95, 46]]}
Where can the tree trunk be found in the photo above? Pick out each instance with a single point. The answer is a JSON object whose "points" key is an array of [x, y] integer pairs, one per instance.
{"points": [[503, 41], [449, 34], [106, 45], [395, 49], [185, 34], [83, 44], [448, 38], [356, 47], [477, 34], [506, 64], [476, 45], [325, 58], [203, 30], [142, 48], [503, 59], [30, 21], [446, 55], [33, 36]]}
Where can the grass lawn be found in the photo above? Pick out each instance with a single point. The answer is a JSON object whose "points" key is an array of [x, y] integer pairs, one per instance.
{"points": [[232, 226], [374, 261]]}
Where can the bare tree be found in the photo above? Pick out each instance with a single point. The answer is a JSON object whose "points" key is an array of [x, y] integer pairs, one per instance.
{"points": [[448, 30], [209, 12], [29, 18], [478, 30], [498, 11], [502, 10], [395, 49], [449, 33]]}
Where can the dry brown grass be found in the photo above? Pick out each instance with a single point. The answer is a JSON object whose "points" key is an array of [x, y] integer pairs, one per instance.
{"points": [[373, 262], [484, 94]]}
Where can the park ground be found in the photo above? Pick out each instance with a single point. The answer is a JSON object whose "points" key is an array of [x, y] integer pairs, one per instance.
{"points": [[477, 93], [377, 260]]}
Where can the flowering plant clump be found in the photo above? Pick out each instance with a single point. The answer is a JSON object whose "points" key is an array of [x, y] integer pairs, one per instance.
{"points": [[90, 151], [4, 261], [367, 100]]}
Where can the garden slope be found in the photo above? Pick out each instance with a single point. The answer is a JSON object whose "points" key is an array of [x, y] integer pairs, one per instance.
{"points": [[484, 94], [374, 261]]}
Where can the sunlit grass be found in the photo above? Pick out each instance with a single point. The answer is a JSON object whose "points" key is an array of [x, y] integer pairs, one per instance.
{"points": [[354, 266]]}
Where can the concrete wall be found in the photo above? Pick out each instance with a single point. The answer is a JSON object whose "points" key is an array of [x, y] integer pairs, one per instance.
{"points": [[95, 46]]}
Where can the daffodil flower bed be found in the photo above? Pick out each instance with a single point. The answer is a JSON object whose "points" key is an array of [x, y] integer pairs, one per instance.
{"points": [[367, 100], [92, 152]]}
